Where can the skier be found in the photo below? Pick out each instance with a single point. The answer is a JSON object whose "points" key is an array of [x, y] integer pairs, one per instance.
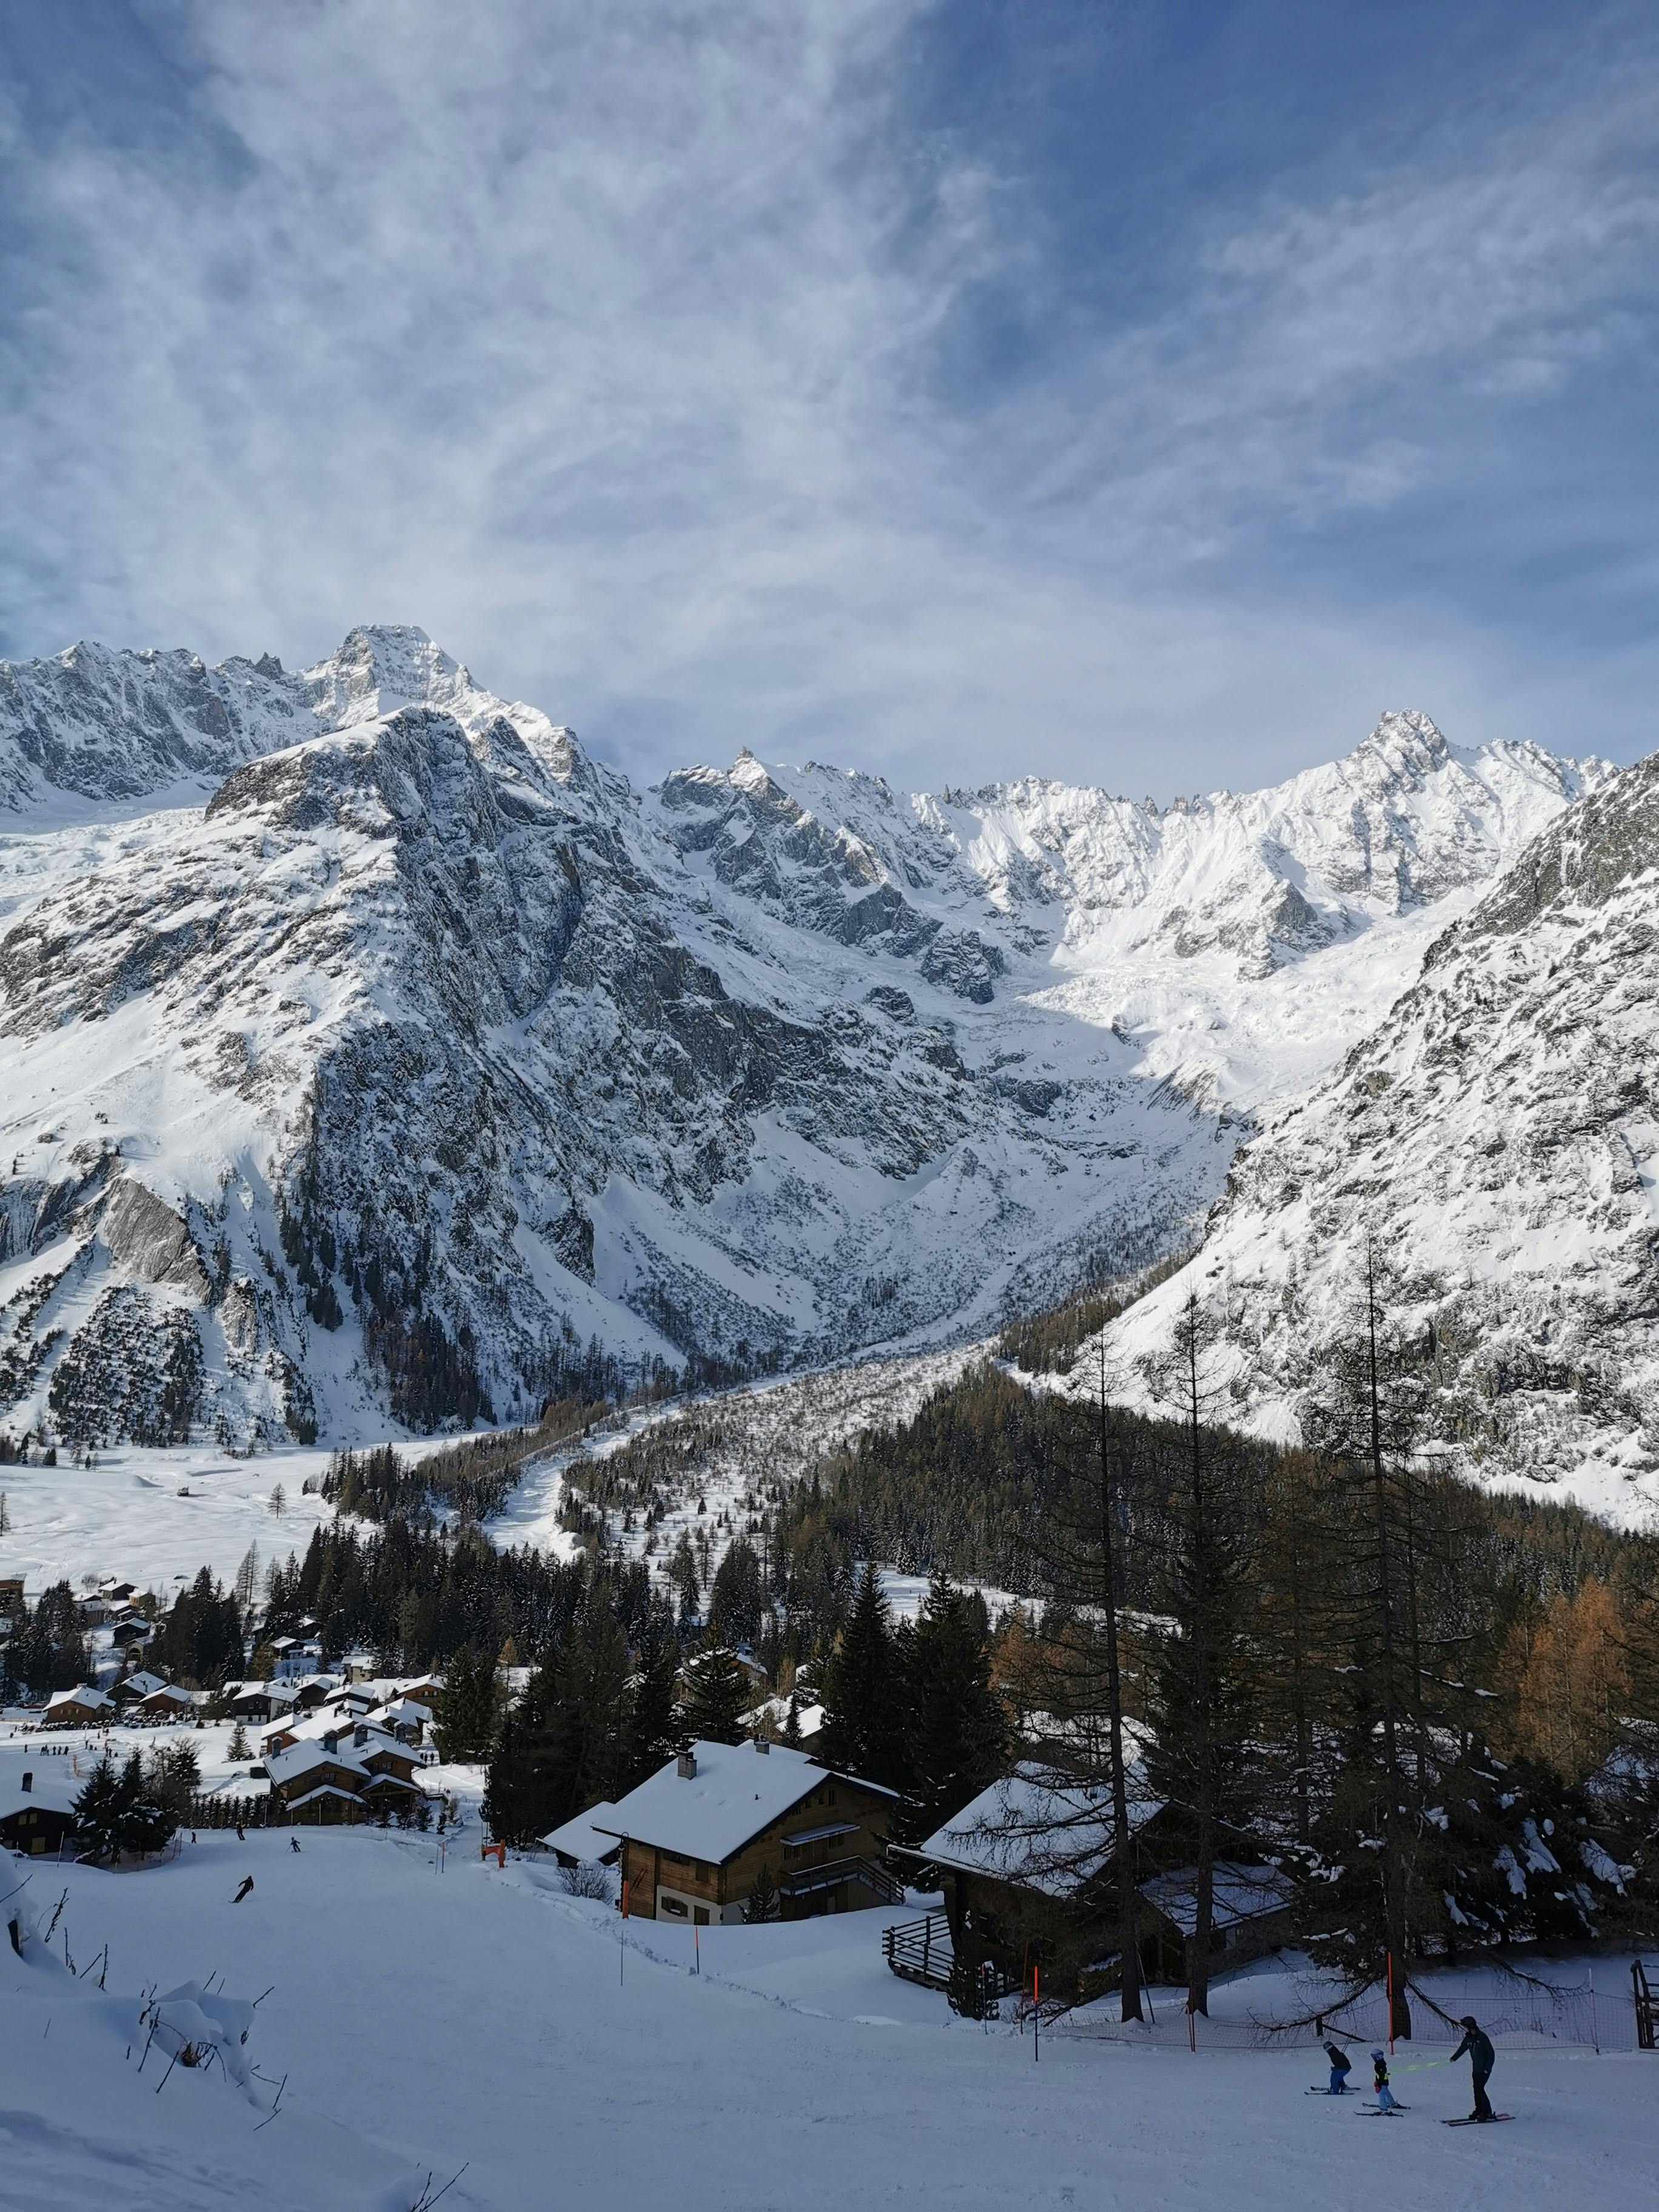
{"points": [[293, 1843], [247, 1884], [1341, 2066], [1482, 2058], [241, 1836], [1380, 2081]]}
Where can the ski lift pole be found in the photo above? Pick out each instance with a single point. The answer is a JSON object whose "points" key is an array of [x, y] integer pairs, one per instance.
{"points": [[1388, 1957], [1036, 2016]]}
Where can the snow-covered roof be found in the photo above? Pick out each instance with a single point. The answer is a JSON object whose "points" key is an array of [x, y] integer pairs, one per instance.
{"points": [[300, 1758], [55, 1785], [1240, 1892], [94, 1700], [736, 1792], [1036, 1828], [580, 1839], [141, 1682]]}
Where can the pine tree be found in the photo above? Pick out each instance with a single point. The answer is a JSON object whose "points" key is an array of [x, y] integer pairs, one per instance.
{"points": [[716, 1709], [1397, 1605], [764, 1904], [1093, 1466], [863, 1694], [466, 1726], [656, 1729], [239, 1747], [98, 1812], [1198, 1669], [958, 1731]]}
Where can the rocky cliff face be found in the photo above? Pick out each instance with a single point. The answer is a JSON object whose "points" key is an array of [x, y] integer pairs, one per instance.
{"points": [[368, 1046], [1494, 1141]]}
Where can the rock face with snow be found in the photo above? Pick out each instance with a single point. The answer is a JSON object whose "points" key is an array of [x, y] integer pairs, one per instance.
{"points": [[1496, 1140], [366, 1042]]}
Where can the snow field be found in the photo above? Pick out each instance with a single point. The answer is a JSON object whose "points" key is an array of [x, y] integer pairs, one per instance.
{"points": [[424, 2019], [124, 1515]]}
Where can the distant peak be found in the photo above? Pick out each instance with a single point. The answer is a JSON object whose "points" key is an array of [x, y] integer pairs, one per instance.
{"points": [[378, 667]]}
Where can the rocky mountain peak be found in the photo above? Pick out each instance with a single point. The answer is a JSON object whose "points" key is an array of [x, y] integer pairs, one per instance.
{"points": [[378, 667]]}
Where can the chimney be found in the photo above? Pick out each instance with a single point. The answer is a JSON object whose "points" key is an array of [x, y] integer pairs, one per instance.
{"points": [[762, 1745], [331, 1742], [688, 1767], [359, 1738], [29, 1780]]}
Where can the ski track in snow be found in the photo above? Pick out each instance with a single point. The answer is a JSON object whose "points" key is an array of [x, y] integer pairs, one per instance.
{"points": [[427, 2021]]}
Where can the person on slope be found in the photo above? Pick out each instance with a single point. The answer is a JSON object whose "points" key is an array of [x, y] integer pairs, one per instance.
{"points": [[293, 1843], [247, 1884], [1385, 2096], [1477, 2046], [1342, 2067]]}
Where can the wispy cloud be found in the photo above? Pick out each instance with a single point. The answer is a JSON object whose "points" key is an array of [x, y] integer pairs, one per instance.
{"points": [[611, 342]]}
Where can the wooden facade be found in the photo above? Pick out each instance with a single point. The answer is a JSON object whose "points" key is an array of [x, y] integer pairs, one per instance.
{"points": [[823, 1854]]}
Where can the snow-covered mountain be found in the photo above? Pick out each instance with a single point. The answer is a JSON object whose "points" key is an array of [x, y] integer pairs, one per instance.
{"points": [[361, 1034], [1496, 1139]]}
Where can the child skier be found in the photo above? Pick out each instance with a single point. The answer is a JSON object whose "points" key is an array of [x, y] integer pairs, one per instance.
{"points": [[1341, 2066], [1380, 2081]]}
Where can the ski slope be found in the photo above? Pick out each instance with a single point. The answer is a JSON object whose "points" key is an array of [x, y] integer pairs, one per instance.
{"points": [[427, 2021]]}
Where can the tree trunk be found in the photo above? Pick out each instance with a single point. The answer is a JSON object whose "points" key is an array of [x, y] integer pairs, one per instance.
{"points": [[1128, 1895]]}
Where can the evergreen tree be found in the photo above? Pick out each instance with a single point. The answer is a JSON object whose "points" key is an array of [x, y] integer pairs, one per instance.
{"points": [[716, 1706], [1093, 1466], [466, 1726], [957, 1733], [239, 1747], [863, 1694], [764, 1904], [1199, 1671], [98, 1812], [656, 1729]]}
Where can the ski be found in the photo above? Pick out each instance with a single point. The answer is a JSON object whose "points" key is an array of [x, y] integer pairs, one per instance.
{"points": [[1383, 2111], [1471, 2122]]}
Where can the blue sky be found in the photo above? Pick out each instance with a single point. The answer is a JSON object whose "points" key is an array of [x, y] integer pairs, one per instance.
{"points": [[1145, 394]]}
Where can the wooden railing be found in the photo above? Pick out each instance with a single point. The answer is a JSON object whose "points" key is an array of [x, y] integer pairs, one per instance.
{"points": [[920, 1950], [874, 1877]]}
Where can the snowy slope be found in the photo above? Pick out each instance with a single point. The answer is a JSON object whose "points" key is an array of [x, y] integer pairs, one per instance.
{"points": [[477, 2019], [419, 1049], [1496, 1138]]}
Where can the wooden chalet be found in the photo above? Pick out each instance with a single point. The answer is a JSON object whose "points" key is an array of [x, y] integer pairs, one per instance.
{"points": [[1029, 1867], [696, 1836], [82, 1708], [37, 1814]]}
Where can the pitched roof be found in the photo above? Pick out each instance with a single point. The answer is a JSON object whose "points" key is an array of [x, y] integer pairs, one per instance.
{"points": [[300, 1758], [1036, 1828], [1240, 1892], [55, 1785], [736, 1792], [580, 1839], [85, 1695]]}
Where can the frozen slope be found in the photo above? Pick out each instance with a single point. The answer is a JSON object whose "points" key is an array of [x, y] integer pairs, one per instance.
{"points": [[418, 1050], [1495, 1139], [483, 2021]]}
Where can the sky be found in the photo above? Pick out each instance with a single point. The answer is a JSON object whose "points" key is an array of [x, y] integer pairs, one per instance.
{"points": [[1146, 395]]}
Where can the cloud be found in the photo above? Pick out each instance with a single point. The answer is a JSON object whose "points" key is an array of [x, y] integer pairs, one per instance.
{"points": [[613, 342]]}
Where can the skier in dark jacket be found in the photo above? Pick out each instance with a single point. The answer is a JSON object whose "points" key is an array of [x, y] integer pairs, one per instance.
{"points": [[1477, 2047], [1341, 2067]]}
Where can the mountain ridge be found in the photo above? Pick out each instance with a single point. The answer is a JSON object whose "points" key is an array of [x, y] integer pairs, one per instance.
{"points": [[443, 1051]]}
